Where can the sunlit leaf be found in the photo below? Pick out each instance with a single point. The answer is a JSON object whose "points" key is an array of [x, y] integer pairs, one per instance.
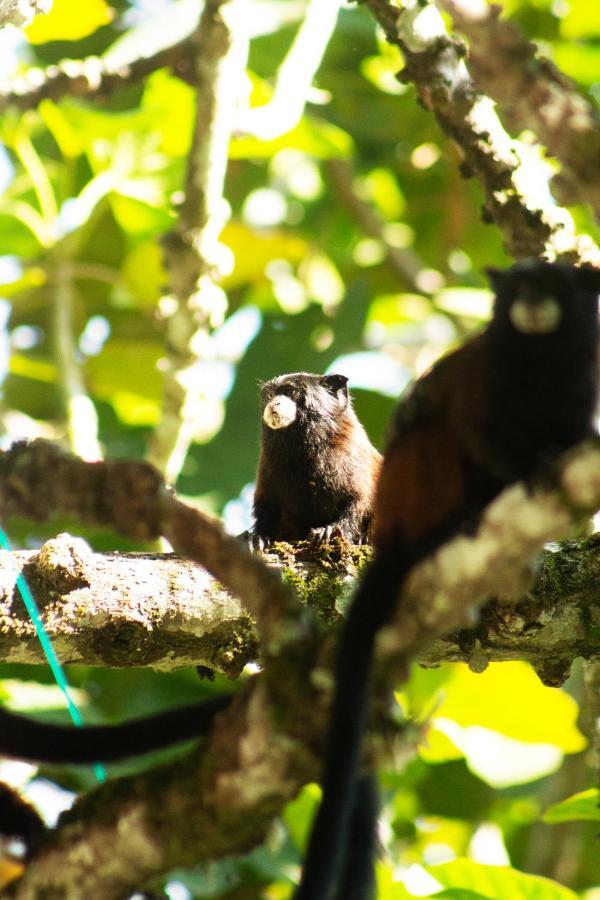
{"points": [[140, 218], [580, 61], [253, 249], [126, 366], [382, 73], [391, 309], [584, 805], [298, 814], [172, 106], [134, 409], [70, 139], [381, 188], [463, 301], [489, 699], [437, 747], [32, 277], [69, 20], [313, 136], [32, 368], [143, 272], [498, 882], [29, 695], [460, 894], [388, 886], [582, 20]]}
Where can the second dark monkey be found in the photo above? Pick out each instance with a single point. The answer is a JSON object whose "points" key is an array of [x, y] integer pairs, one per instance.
{"points": [[317, 468]]}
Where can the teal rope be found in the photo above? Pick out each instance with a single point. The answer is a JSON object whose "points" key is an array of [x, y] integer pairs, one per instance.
{"points": [[49, 652]]}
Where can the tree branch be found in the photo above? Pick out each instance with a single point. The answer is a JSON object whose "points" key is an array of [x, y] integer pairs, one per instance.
{"points": [[516, 188], [39, 479], [92, 77], [194, 257], [21, 13], [213, 803], [80, 415], [535, 94], [159, 610]]}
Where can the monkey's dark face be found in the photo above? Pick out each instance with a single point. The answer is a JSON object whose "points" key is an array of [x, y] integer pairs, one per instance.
{"points": [[302, 398], [536, 298]]}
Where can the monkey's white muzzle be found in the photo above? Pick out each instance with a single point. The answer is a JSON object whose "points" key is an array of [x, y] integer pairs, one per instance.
{"points": [[279, 412]]}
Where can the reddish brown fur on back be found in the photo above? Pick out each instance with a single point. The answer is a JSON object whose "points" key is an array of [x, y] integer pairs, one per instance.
{"points": [[421, 483]]}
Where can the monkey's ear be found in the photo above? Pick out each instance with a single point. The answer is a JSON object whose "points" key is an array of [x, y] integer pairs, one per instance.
{"points": [[336, 383]]}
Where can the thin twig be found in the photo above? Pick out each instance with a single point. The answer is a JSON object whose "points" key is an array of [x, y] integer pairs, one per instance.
{"points": [[295, 76], [194, 258], [79, 410]]}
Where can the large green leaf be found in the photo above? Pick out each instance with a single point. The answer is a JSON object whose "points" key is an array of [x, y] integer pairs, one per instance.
{"points": [[313, 136], [489, 699], [497, 882], [69, 20], [584, 805]]}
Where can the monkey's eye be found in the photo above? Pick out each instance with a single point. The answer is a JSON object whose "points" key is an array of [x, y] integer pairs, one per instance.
{"points": [[541, 316]]}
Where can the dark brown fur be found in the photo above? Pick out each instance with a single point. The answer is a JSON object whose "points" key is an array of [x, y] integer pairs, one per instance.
{"points": [[316, 476]]}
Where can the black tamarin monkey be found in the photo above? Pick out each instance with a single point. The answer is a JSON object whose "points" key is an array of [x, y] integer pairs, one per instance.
{"points": [[316, 479], [317, 468], [490, 413]]}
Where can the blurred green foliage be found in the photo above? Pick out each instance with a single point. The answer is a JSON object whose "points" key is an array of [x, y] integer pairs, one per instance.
{"points": [[89, 190]]}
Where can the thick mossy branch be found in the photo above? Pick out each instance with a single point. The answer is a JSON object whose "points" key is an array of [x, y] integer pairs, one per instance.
{"points": [[147, 609]]}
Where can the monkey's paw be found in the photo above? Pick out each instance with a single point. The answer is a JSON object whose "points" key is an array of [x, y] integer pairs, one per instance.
{"points": [[256, 541], [326, 534]]}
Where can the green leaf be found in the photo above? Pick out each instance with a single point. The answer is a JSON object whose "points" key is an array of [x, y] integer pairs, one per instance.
{"points": [[584, 805], [69, 20], [580, 61], [298, 814], [581, 21], [31, 278], [464, 301], [171, 104], [129, 366], [70, 139], [313, 136], [253, 249], [509, 698], [497, 882], [143, 273]]}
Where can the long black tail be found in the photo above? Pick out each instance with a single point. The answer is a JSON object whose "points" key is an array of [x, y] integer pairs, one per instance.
{"points": [[357, 881], [371, 608], [44, 742]]}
